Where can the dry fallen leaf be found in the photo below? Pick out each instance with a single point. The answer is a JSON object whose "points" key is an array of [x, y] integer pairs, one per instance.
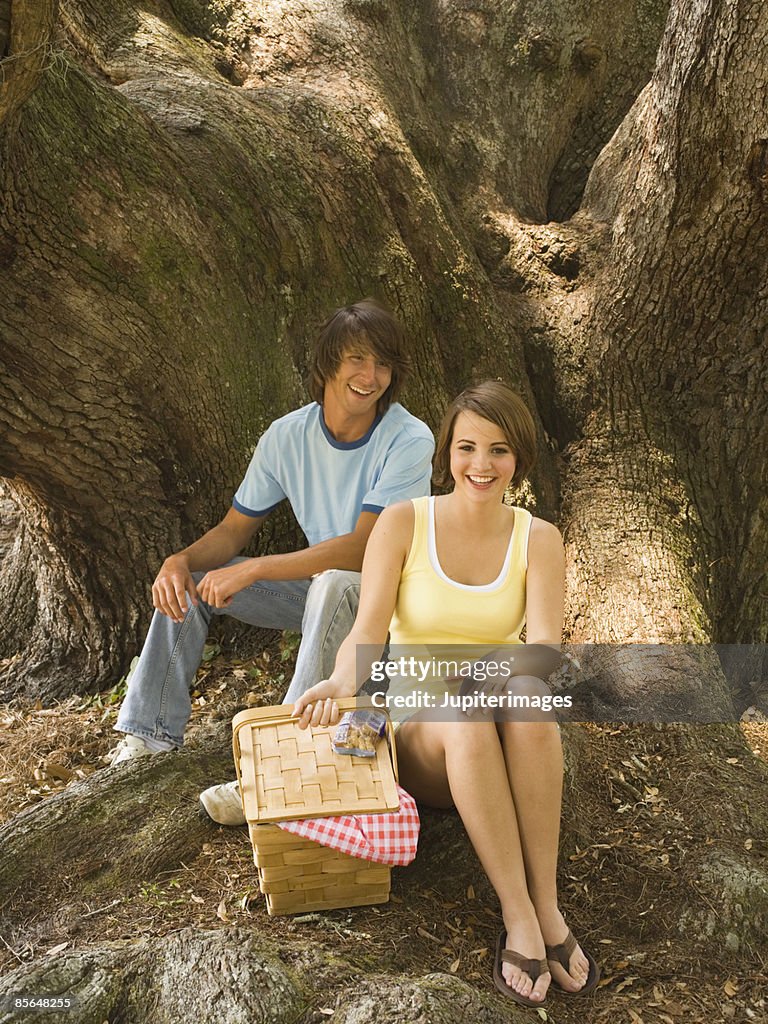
{"points": [[730, 988], [454, 966], [57, 949], [221, 911], [470, 892]]}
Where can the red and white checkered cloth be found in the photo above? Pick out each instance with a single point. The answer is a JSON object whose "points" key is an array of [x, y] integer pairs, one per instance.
{"points": [[390, 837]]}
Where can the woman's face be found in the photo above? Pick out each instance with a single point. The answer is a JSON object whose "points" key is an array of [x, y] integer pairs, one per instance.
{"points": [[482, 460]]}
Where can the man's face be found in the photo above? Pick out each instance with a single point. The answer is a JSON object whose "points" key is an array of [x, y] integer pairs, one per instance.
{"points": [[360, 381]]}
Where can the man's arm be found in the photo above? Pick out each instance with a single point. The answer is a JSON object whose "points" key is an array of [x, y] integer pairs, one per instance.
{"points": [[345, 552], [220, 544], [405, 474]]}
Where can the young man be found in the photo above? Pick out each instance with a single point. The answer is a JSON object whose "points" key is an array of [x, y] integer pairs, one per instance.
{"points": [[339, 462]]}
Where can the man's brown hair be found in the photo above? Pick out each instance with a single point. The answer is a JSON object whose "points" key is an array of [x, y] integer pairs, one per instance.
{"points": [[366, 325], [499, 404]]}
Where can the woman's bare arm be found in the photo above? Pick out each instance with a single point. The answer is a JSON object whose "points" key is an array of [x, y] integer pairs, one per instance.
{"points": [[385, 556], [545, 584]]}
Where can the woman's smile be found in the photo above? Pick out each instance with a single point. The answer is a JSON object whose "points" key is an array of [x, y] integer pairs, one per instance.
{"points": [[481, 482]]}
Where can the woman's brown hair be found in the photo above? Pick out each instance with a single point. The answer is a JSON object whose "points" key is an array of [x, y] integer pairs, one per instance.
{"points": [[499, 404]]}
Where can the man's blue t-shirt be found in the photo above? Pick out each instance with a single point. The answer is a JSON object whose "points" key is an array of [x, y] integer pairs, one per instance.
{"points": [[329, 482]]}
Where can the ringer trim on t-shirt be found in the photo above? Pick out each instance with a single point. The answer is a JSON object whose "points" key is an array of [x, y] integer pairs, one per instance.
{"points": [[347, 446], [250, 512]]}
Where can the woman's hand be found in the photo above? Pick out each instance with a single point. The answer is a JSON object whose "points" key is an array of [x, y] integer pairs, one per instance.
{"points": [[317, 706]]}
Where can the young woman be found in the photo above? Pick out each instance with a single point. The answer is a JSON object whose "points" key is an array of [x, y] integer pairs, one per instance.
{"points": [[465, 568]]}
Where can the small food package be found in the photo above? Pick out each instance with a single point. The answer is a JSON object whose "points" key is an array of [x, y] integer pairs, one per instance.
{"points": [[358, 732]]}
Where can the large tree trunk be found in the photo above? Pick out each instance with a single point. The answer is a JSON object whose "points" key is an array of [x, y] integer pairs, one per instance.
{"points": [[571, 196], [207, 199]]}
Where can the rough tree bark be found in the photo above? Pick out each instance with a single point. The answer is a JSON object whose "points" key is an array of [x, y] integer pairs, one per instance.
{"points": [[219, 179], [570, 195]]}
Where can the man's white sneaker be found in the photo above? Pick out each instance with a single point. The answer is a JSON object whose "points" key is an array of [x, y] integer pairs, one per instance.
{"points": [[223, 804], [128, 748]]}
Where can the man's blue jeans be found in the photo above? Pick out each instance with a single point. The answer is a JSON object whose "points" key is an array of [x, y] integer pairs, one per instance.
{"points": [[157, 705]]}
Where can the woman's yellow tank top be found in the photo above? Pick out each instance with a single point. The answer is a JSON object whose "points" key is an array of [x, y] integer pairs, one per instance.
{"points": [[433, 609]]}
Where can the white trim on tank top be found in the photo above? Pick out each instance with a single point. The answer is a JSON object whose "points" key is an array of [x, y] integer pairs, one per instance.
{"points": [[435, 563]]}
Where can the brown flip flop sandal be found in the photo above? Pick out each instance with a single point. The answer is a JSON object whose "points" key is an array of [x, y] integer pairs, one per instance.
{"points": [[561, 954], [533, 968]]}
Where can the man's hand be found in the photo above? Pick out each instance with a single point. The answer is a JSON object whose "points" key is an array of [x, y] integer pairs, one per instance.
{"points": [[171, 586], [317, 706], [218, 586]]}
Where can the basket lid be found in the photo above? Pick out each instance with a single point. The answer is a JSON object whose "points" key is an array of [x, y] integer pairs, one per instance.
{"points": [[286, 772]]}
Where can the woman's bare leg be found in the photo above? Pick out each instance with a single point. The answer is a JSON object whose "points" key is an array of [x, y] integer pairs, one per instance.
{"points": [[534, 760], [462, 762]]}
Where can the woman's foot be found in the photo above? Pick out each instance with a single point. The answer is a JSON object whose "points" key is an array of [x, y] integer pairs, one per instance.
{"points": [[555, 931], [525, 938]]}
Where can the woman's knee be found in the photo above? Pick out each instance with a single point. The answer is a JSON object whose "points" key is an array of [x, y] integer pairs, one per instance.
{"points": [[527, 701], [539, 736]]}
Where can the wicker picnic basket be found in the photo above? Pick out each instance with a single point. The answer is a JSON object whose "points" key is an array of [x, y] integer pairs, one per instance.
{"points": [[286, 772]]}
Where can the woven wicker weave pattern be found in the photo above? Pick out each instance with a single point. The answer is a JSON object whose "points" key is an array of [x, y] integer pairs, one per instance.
{"points": [[297, 875], [288, 772]]}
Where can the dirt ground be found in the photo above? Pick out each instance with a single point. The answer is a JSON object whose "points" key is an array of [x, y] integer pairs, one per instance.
{"points": [[422, 929]]}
